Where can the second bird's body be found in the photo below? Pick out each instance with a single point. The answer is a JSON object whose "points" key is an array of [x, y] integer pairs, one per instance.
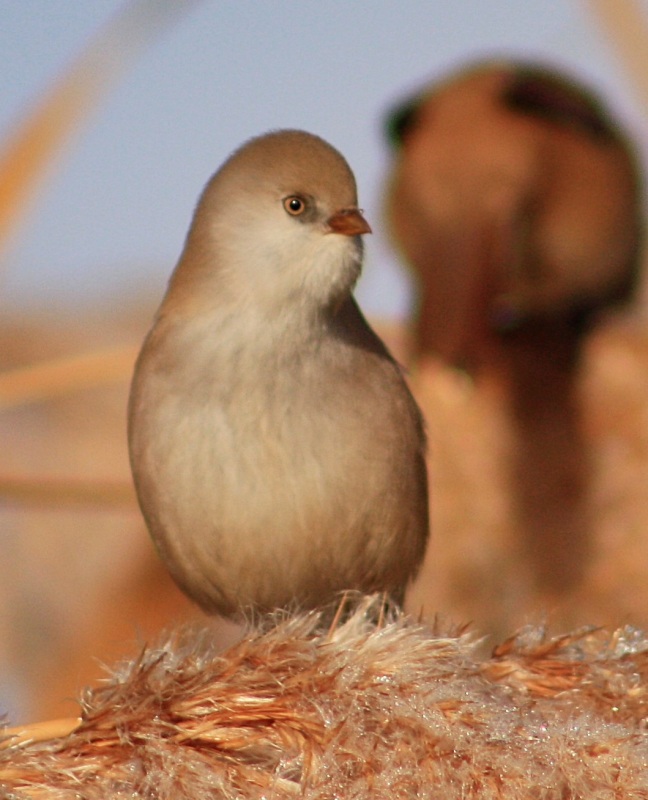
{"points": [[277, 452]]}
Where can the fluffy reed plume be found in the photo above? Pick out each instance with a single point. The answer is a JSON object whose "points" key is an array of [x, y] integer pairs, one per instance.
{"points": [[369, 705]]}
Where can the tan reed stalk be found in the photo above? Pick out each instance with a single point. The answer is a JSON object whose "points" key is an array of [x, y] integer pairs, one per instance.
{"points": [[38, 382]]}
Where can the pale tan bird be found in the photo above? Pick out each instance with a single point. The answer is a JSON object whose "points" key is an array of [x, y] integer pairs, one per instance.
{"points": [[516, 199], [277, 453]]}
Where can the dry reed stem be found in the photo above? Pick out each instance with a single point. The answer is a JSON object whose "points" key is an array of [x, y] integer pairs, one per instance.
{"points": [[626, 24], [48, 491], [39, 731], [38, 382], [29, 152]]}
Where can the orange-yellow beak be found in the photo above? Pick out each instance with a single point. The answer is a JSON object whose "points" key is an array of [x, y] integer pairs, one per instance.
{"points": [[348, 221]]}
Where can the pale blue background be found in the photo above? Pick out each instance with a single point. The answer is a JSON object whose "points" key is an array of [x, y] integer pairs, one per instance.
{"points": [[113, 217]]}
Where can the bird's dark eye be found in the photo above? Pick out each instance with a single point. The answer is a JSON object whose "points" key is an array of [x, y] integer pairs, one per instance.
{"points": [[294, 205]]}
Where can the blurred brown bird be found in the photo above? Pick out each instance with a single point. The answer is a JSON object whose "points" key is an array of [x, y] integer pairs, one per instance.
{"points": [[277, 453], [515, 198]]}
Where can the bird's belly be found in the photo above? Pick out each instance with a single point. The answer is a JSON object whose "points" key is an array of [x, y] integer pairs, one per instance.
{"points": [[277, 505]]}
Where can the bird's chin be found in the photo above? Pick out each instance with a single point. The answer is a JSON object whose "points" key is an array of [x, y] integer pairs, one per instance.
{"points": [[336, 270]]}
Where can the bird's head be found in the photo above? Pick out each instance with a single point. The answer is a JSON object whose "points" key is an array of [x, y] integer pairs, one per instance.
{"points": [[277, 226]]}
